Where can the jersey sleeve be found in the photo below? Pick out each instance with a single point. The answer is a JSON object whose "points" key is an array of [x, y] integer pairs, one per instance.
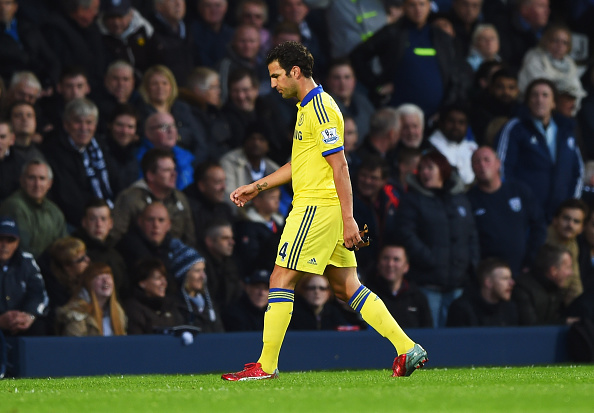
{"points": [[328, 128]]}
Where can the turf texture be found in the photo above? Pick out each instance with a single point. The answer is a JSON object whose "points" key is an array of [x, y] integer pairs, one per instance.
{"points": [[559, 388]]}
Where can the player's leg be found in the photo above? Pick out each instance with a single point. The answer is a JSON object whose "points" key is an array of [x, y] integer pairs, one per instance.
{"points": [[278, 315], [347, 287]]}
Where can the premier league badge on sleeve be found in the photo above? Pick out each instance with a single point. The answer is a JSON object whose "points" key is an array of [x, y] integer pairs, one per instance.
{"points": [[330, 136]]}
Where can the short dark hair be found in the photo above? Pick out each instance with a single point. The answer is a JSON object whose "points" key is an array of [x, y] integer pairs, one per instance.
{"points": [[445, 169], [372, 162], [487, 266], [540, 81], [145, 267], [202, 169], [123, 109], [505, 73], [150, 160], [69, 72], [454, 107], [241, 73], [290, 54], [286, 27], [17, 103], [96, 203], [572, 203], [548, 256]]}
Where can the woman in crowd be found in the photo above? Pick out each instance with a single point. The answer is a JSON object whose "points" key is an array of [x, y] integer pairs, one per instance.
{"points": [[436, 226], [94, 309]]}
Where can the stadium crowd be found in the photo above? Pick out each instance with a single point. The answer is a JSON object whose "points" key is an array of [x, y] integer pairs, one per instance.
{"points": [[125, 125]]}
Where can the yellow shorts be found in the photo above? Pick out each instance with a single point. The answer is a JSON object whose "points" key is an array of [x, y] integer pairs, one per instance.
{"points": [[312, 239]]}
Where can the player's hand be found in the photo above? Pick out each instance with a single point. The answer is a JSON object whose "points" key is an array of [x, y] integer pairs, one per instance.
{"points": [[353, 238], [243, 194]]}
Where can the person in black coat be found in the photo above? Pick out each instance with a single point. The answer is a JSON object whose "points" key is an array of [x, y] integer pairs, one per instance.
{"points": [[247, 313], [11, 161], [488, 303], [403, 299], [436, 226]]}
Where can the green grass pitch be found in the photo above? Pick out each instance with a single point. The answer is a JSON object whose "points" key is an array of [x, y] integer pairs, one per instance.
{"points": [[559, 388]]}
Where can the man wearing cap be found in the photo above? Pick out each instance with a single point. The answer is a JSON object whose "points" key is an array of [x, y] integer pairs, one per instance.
{"points": [[22, 292], [126, 34], [247, 313]]}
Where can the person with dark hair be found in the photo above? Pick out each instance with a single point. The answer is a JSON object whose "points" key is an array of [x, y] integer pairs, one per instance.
{"points": [[247, 312], [509, 221], [40, 220], [403, 298], [568, 223], [488, 301], [539, 293], [150, 309], [95, 231], [586, 252], [250, 162], [94, 309], [321, 235], [206, 196], [23, 120], [451, 139], [10, 161], [158, 184], [436, 226], [122, 143], [540, 149]]}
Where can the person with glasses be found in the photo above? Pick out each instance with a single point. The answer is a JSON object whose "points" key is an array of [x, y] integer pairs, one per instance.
{"points": [[23, 298], [314, 305]]}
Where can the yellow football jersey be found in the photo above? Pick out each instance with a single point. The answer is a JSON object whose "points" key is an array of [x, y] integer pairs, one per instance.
{"points": [[319, 132]]}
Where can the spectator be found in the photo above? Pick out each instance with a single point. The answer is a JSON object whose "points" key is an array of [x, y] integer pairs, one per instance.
{"points": [[494, 105], [23, 86], [374, 204], [314, 305], [484, 46], [351, 138], [539, 294], [150, 309], [24, 125], [250, 162], [551, 60], [403, 299], [151, 237], [194, 301], [585, 116], [567, 224], [245, 107], [203, 94], [40, 221], [450, 138], [81, 171], [158, 185], [23, 47], [68, 260], [255, 13], [509, 221], [428, 80], [94, 309], [243, 52], [490, 304], [159, 92], [258, 234], [95, 232], [207, 197], [247, 313], [75, 38], [23, 298], [341, 84], [465, 17], [10, 161], [173, 43], [540, 150], [586, 251], [408, 164], [223, 275], [122, 144], [435, 225], [521, 30], [213, 32], [126, 34], [383, 137], [412, 125]]}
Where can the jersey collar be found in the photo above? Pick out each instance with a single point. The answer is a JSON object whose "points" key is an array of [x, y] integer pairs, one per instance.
{"points": [[315, 91]]}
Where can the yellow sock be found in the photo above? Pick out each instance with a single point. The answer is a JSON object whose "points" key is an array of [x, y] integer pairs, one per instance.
{"points": [[276, 322], [374, 312]]}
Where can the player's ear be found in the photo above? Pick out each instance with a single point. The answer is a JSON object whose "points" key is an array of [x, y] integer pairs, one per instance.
{"points": [[296, 72]]}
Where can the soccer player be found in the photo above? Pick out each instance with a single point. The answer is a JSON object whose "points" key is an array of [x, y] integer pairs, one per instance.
{"points": [[320, 229]]}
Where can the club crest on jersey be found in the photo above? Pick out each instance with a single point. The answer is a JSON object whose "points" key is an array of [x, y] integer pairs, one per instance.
{"points": [[330, 136], [462, 211], [571, 143], [515, 204], [301, 119]]}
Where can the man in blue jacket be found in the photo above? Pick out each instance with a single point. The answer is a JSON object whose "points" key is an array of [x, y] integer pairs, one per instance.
{"points": [[540, 149]]}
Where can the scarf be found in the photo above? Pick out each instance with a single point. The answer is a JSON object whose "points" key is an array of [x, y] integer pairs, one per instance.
{"points": [[97, 172]]}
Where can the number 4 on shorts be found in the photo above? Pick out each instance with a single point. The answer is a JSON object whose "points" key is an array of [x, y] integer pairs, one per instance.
{"points": [[283, 250]]}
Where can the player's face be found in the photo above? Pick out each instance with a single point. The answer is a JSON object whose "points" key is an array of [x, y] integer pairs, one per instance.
{"points": [[392, 263], [502, 283], [195, 278], [279, 80], [485, 165], [35, 182], [569, 224]]}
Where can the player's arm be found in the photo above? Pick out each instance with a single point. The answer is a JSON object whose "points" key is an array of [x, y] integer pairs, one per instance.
{"points": [[245, 193], [342, 181]]}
